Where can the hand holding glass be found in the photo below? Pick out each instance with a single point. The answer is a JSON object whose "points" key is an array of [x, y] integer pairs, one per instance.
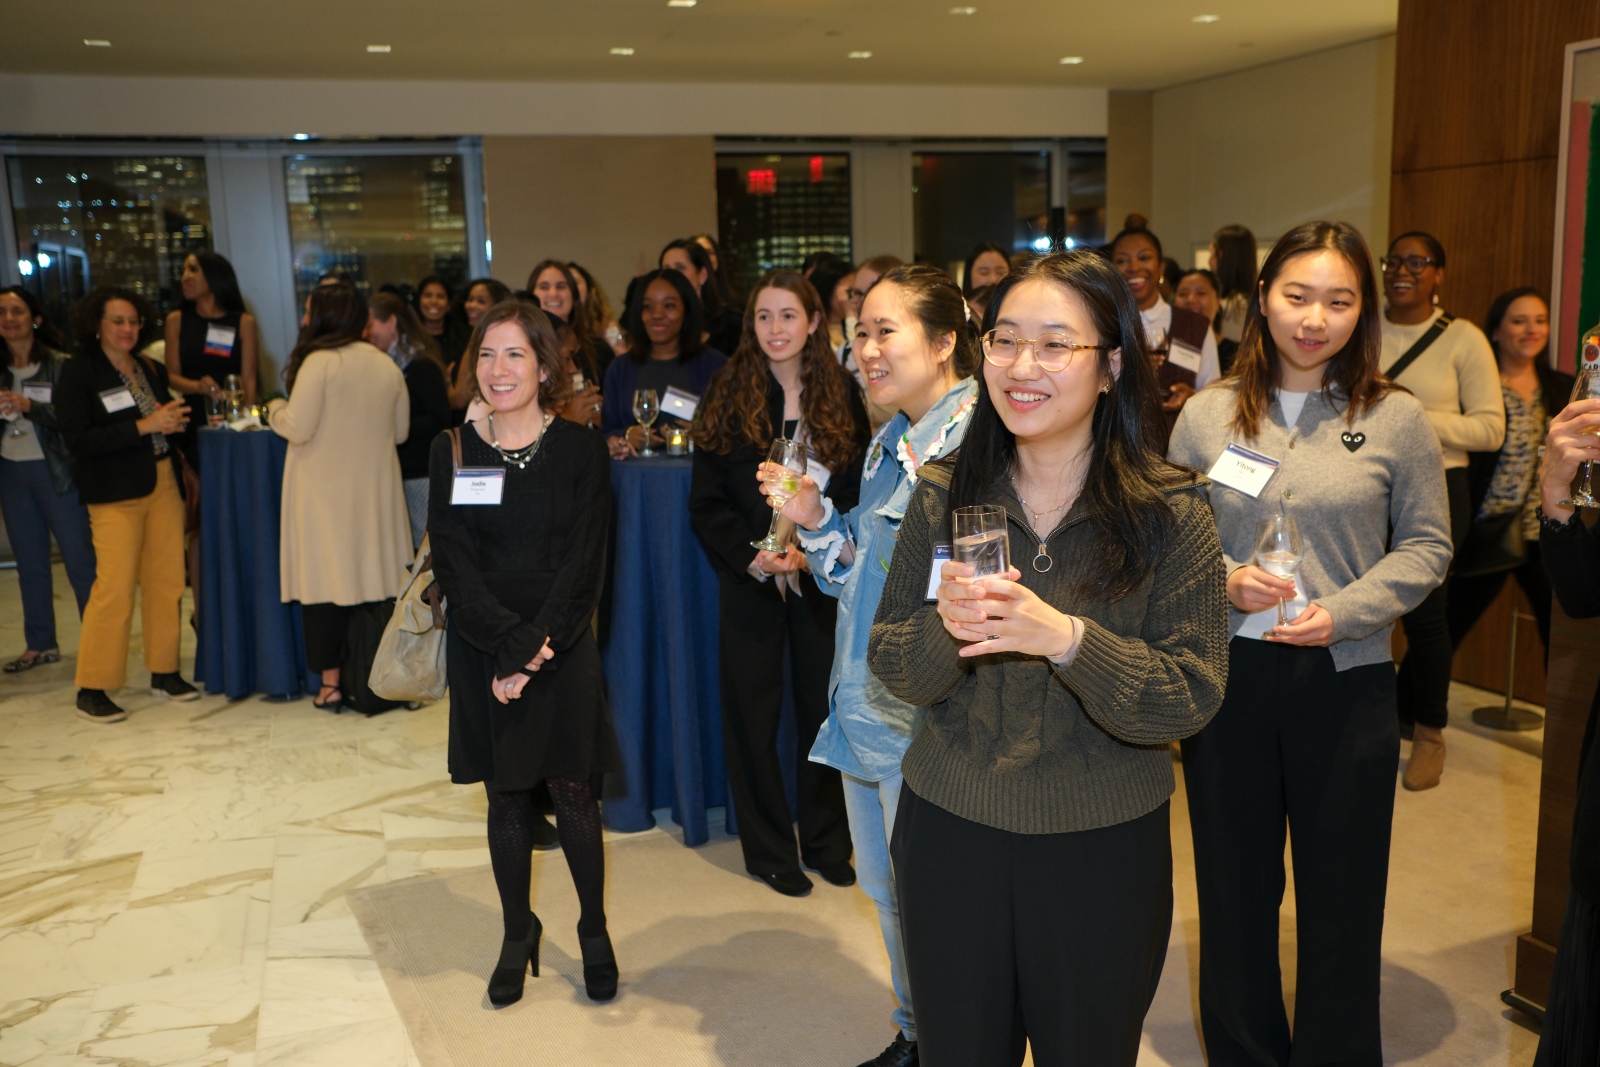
{"points": [[786, 463], [646, 408], [1587, 387], [1279, 550], [980, 539]]}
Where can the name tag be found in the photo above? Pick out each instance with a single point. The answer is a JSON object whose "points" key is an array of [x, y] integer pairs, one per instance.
{"points": [[679, 403], [1244, 470], [941, 556], [1181, 355], [38, 393], [118, 399], [480, 485], [219, 340]]}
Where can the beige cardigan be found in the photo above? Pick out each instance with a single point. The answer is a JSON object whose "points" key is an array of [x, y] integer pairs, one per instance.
{"points": [[345, 535]]}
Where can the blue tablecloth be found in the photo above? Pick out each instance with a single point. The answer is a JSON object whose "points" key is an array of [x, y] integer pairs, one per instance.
{"points": [[660, 655], [249, 640]]}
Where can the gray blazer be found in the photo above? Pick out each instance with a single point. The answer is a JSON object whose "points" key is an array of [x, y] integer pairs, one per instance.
{"points": [[43, 417], [1369, 498]]}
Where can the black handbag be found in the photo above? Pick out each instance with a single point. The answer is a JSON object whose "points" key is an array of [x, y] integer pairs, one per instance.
{"points": [[1492, 545], [365, 631]]}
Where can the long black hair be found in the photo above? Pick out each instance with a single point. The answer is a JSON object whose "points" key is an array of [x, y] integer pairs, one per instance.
{"points": [[1235, 262], [221, 280], [44, 331], [1123, 487], [694, 316], [972, 258]]}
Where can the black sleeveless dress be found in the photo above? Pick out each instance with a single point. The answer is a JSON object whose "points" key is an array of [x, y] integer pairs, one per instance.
{"points": [[205, 347]]}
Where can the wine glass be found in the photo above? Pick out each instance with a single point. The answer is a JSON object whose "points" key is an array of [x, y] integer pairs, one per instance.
{"points": [[215, 414], [980, 539], [646, 408], [1279, 550], [1587, 387], [786, 462]]}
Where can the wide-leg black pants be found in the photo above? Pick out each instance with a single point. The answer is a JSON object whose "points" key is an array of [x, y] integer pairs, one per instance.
{"points": [[1296, 746], [757, 627], [1053, 939]]}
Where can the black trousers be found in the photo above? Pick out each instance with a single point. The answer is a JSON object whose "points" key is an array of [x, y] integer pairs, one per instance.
{"points": [[1053, 939], [1423, 684], [1471, 596], [758, 626], [1301, 746], [325, 626]]}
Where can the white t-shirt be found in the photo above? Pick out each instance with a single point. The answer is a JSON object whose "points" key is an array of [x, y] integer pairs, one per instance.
{"points": [[24, 446], [1292, 404], [1158, 323]]}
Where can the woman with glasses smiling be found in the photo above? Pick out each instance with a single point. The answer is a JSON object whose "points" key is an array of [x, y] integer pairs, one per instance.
{"points": [[1448, 364], [1032, 847]]}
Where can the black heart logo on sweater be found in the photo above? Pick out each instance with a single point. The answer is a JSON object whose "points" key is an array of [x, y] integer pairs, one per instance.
{"points": [[1353, 441]]}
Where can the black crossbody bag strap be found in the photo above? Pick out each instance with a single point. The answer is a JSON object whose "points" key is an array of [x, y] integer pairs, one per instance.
{"points": [[1440, 325]]}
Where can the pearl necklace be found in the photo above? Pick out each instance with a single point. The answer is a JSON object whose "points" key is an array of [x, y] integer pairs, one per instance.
{"points": [[518, 457]]}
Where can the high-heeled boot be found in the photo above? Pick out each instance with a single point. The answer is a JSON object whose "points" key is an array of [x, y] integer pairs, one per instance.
{"points": [[505, 984], [599, 967]]}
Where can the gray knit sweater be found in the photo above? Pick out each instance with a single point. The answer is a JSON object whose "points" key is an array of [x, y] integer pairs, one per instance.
{"points": [[1014, 742], [1369, 499]]}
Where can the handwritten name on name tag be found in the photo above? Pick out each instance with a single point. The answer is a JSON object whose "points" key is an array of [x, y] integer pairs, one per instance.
{"points": [[1244, 470], [478, 485], [118, 399]]}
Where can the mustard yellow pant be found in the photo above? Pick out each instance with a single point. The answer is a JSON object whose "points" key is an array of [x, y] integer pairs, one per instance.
{"points": [[138, 545]]}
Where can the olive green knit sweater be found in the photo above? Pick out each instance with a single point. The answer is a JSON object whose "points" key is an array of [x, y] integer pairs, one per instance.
{"points": [[1017, 743]]}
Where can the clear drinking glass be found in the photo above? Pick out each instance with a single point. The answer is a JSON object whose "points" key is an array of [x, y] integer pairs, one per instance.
{"points": [[786, 463], [1279, 550], [1587, 387], [980, 539], [646, 408], [214, 412]]}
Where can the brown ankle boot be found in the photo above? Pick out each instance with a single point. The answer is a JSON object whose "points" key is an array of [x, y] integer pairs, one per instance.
{"points": [[1426, 765]]}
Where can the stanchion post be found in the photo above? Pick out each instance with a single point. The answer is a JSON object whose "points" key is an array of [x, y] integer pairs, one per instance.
{"points": [[1505, 716]]}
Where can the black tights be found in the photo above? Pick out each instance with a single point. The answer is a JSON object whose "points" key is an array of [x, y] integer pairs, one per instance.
{"points": [[511, 819]]}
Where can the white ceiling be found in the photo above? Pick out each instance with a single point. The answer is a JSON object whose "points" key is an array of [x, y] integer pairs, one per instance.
{"points": [[1137, 44]]}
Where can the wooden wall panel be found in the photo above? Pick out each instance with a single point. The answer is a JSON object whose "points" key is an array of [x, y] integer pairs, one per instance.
{"points": [[1481, 658]]}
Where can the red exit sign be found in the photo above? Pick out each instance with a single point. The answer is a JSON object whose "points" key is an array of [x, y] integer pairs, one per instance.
{"points": [[761, 182]]}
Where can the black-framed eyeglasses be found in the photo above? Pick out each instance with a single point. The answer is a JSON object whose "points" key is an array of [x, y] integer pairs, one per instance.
{"points": [[1412, 264], [1051, 351]]}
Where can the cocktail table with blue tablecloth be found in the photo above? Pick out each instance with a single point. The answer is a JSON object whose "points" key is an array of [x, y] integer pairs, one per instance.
{"points": [[249, 640]]}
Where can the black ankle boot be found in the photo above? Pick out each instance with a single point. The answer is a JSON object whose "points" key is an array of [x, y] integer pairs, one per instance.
{"points": [[505, 984], [599, 967]]}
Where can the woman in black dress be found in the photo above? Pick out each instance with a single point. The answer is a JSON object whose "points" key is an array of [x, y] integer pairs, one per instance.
{"points": [[519, 509], [781, 382], [208, 338], [1571, 551]]}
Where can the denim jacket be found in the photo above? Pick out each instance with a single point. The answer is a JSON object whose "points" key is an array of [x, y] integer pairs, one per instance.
{"points": [[868, 729], [58, 458]]}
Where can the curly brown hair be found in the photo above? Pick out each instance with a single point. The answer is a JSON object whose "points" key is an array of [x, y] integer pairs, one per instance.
{"points": [[734, 411]]}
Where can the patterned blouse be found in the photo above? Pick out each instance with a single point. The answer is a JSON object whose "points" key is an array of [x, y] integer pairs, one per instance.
{"points": [[1511, 489], [145, 397]]}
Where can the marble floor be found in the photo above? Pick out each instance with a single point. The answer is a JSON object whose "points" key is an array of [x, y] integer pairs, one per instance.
{"points": [[172, 888]]}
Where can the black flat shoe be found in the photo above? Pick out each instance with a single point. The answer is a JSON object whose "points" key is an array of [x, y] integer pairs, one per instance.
{"points": [[599, 967], [900, 1053], [516, 958], [840, 874], [335, 705], [789, 883], [94, 705], [173, 687], [28, 663], [545, 836]]}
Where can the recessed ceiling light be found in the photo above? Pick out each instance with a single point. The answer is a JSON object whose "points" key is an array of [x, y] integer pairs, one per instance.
{"points": [[963, 11], [302, 137], [96, 42], [622, 51], [682, 3], [385, 49], [1071, 61], [859, 55], [1206, 18]]}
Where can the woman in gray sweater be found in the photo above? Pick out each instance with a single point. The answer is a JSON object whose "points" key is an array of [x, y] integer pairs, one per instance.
{"points": [[1307, 738], [1031, 848]]}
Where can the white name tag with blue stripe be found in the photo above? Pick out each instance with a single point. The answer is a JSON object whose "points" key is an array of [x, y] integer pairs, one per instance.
{"points": [[478, 485], [1244, 470]]}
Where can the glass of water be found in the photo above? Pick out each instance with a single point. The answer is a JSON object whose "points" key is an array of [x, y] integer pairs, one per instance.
{"points": [[980, 539], [786, 463], [1279, 550]]}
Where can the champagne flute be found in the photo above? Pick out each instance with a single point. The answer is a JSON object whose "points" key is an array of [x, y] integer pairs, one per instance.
{"points": [[1587, 387], [1279, 550], [646, 408], [786, 462]]}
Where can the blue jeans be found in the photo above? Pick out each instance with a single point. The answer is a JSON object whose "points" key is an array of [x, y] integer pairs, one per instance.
{"points": [[33, 510], [871, 807]]}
